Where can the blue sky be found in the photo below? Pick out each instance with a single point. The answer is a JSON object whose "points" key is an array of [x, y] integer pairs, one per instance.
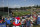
{"points": [[18, 3]]}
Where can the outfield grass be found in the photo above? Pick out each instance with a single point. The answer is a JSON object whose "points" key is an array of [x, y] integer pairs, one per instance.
{"points": [[20, 13]]}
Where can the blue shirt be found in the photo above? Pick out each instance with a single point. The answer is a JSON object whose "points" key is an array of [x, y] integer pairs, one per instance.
{"points": [[13, 18], [28, 23], [38, 19], [3, 23], [8, 22], [5, 19]]}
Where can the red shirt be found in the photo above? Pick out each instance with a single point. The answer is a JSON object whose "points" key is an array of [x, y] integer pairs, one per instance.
{"points": [[1, 20]]}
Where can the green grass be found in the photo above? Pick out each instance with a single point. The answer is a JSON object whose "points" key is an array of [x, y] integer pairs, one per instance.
{"points": [[20, 13]]}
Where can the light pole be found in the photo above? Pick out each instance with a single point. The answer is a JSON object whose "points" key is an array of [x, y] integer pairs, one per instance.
{"points": [[3, 7], [31, 16], [8, 7], [31, 10]]}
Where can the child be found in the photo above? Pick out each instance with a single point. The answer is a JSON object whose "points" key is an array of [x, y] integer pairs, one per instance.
{"points": [[8, 22]]}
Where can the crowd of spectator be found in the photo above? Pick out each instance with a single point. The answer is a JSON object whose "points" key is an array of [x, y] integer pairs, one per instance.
{"points": [[25, 20]]}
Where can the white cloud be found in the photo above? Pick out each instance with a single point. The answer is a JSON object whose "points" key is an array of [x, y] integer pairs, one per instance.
{"points": [[28, 5], [14, 6], [18, 6], [31, 5]]}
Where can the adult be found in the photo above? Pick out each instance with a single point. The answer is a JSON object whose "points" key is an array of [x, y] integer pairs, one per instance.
{"points": [[34, 17], [28, 24], [38, 19]]}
